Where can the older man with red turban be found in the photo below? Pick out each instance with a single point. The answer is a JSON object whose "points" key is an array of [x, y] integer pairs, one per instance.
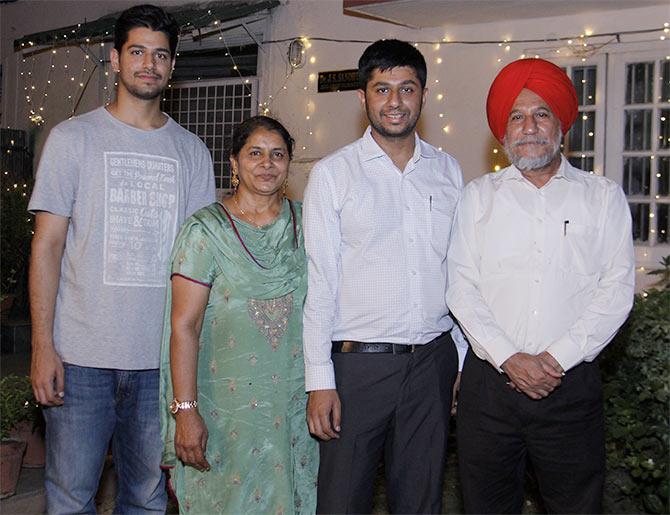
{"points": [[541, 277]]}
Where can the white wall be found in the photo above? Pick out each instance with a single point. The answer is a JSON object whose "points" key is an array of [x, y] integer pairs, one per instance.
{"points": [[464, 75]]}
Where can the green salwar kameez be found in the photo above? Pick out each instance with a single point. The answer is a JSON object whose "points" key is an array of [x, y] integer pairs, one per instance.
{"points": [[250, 367]]}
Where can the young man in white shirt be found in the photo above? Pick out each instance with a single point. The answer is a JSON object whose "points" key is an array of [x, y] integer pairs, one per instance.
{"points": [[380, 363], [541, 277]]}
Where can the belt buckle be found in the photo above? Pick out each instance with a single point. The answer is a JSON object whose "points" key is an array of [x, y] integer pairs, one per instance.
{"points": [[402, 349]]}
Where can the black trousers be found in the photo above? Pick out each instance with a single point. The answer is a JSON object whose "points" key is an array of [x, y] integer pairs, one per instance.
{"points": [[397, 406], [562, 435]]}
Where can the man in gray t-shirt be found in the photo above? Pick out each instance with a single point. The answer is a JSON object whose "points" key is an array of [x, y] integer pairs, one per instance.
{"points": [[113, 186]]}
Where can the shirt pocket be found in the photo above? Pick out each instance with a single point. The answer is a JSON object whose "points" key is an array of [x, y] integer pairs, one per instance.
{"points": [[578, 248], [441, 218]]}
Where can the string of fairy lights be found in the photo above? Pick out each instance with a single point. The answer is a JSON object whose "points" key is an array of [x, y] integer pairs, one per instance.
{"points": [[299, 76], [582, 46]]}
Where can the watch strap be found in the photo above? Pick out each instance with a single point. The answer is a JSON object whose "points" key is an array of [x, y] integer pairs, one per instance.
{"points": [[176, 406]]}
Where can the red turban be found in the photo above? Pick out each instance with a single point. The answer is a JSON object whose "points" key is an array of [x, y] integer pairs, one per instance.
{"points": [[543, 78]]}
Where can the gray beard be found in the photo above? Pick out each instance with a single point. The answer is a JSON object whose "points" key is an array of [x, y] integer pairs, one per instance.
{"points": [[534, 163]]}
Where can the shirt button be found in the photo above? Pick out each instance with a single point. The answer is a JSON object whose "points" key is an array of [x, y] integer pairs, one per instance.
{"points": [[413, 272], [535, 312], [537, 280], [407, 208], [411, 240]]}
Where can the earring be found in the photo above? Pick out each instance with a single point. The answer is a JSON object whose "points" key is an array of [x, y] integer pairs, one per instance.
{"points": [[234, 181]]}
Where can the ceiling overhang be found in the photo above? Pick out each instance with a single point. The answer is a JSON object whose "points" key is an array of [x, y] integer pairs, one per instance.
{"points": [[196, 21], [420, 14]]}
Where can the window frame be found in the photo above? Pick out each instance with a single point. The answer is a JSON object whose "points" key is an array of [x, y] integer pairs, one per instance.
{"points": [[221, 166], [599, 108], [649, 253]]}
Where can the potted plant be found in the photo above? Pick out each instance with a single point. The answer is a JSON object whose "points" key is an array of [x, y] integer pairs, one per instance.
{"points": [[17, 405], [30, 428]]}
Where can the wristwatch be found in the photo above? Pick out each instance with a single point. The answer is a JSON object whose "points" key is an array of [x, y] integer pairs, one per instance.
{"points": [[175, 405]]}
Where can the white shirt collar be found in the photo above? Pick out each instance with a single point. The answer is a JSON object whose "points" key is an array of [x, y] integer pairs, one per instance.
{"points": [[370, 149], [565, 171]]}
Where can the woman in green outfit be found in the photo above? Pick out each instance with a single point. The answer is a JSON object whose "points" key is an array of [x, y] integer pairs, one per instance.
{"points": [[232, 375]]}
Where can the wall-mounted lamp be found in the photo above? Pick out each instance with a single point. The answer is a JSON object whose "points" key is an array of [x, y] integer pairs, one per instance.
{"points": [[296, 54]]}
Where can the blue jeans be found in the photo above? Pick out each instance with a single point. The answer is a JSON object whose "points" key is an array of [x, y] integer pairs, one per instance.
{"points": [[102, 405]]}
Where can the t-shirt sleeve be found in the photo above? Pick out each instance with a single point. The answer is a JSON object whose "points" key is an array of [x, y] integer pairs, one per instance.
{"points": [[55, 188], [193, 257], [201, 189]]}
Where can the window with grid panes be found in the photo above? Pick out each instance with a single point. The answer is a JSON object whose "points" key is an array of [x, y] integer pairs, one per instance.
{"points": [[646, 149], [580, 142], [211, 109]]}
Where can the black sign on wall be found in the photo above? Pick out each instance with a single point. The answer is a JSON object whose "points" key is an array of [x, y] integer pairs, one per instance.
{"points": [[338, 80]]}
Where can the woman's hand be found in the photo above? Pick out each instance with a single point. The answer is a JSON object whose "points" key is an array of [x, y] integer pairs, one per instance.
{"points": [[190, 439]]}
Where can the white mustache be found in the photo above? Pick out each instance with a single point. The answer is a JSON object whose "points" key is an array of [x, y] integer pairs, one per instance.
{"points": [[526, 141]]}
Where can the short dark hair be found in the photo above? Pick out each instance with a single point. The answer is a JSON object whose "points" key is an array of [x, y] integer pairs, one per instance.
{"points": [[390, 53], [247, 127], [150, 17]]}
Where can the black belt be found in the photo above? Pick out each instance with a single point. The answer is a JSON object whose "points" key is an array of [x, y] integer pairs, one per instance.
{"points": [[378, 347]]}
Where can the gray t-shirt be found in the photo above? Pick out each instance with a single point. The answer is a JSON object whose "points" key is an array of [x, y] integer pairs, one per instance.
{"points": [[126, 192]]}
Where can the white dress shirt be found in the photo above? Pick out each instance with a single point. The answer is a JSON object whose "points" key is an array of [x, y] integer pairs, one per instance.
{"points": [[376, 239], [541, 269]]}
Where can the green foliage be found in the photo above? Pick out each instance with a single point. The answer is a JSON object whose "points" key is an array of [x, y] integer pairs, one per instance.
{"points": [[15, 233], [17, 403], [663, 272], [636, 385]]}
